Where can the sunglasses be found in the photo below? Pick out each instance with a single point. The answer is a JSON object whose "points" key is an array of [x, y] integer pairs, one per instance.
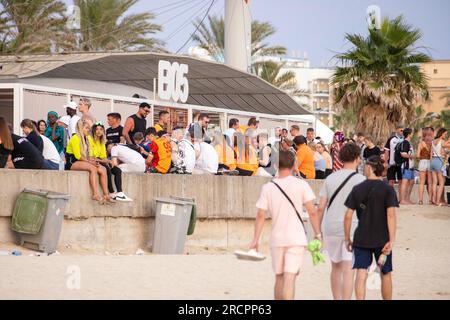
{"points": [[98, 123]]}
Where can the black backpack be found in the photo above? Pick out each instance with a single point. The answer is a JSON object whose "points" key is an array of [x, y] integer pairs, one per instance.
{"points": [[398, 159]]}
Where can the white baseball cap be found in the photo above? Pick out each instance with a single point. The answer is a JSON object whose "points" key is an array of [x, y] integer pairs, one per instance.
{"points": [[72, 105]]}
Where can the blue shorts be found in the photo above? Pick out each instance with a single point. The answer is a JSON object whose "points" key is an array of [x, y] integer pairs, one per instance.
{"points": [[362, 259], [436, 164], [408, 174]]}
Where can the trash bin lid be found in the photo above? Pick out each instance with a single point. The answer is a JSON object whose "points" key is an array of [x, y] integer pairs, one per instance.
{"points": [[47, 193], [174, 201]]}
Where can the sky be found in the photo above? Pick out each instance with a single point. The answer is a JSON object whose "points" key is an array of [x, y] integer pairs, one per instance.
{"points": [[314, 27]]}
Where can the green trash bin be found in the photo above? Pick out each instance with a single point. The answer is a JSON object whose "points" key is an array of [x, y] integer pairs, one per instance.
{"points": [[38, 217], [173, 216]]}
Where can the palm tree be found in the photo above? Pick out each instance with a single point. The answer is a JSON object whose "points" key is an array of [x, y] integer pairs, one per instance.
{"points": [[211, 37], [33, 26], [345, 121], [380, 78], [104, 26], [271, 71]]}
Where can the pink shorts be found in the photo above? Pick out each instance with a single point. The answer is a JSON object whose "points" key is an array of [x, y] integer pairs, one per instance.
{"points": [[287, 259]]}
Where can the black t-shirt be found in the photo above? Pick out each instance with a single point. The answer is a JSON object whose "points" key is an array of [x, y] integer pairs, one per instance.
{"points": [[405, 147], [4, 154], [36, 140], [25, 155], [113, 135], [375, 151], [372, 230]]}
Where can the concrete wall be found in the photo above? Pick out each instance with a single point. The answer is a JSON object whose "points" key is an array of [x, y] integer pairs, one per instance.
{"points": [[225, 206]]}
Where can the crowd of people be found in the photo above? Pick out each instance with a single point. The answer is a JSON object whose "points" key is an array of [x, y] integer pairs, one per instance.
{"points": [[76, 141]]}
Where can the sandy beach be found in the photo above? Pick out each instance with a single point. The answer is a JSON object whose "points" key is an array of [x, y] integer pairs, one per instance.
{"points": [[421, 270]]}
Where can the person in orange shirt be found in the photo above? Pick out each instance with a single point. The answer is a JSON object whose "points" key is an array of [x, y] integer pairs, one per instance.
{"points": [[305, 158], [224, 151], [246, 155], [164, 152]]}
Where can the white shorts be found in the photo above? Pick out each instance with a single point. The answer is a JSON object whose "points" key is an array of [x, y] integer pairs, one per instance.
{"points": [[424, 165], [287, 259], [335, 246], [132, 167]]}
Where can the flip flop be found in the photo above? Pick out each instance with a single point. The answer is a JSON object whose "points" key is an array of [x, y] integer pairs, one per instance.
{"points": [[251, 255]]}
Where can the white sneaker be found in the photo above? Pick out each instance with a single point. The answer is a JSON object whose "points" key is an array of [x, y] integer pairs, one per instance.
{"points": [[122, 197], [113, 196]]}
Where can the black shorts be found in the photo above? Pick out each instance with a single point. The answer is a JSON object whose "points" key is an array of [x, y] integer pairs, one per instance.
{"points": [[394, 173], [362, 259]]}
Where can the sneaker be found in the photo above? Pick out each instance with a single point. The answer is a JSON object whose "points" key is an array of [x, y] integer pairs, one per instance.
{"points": [[122, 197], [113, 195]]}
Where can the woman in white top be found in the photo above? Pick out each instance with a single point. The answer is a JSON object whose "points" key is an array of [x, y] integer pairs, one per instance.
{"points": [[437, 164]]}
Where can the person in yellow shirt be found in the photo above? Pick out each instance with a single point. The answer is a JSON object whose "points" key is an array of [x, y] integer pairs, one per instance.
{"points": [[98, 146], [224, 151], [164, 152], [305, 158], [81, 158], [246, 155], [163, 122]]}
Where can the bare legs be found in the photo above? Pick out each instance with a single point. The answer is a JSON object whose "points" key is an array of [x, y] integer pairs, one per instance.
{"points": [[405, 191], [360, 285], [437, 188], [285, 286], [93, 172], [423, 177], [341, 279]]}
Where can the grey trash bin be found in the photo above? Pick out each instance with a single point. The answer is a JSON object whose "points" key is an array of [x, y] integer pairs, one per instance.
{"points": [[44, 238], [171, 225]]}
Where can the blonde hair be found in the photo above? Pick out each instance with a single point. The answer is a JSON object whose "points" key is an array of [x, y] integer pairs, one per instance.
{"points": [[84, 140], [312, 146]]}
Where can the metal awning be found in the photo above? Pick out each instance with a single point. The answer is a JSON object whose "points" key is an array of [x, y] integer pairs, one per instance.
{"points": [[210, 84]]}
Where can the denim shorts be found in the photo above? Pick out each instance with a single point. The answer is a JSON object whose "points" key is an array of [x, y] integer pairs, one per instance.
{"points": [[408, 174], [436, 164]]}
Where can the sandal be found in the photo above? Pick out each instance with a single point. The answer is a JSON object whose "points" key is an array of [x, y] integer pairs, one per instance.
{"points": [[420, 203], [108, 200], [99, 199]]}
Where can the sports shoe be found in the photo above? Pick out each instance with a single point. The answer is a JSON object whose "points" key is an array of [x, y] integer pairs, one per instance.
{"points": [[122, 197]]}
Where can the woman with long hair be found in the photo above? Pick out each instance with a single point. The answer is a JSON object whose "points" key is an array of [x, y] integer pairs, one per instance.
{"points": [[320, 163], [99, 153], [80, 157], [322, 149], [437, 165], [6, 143], [41, 127], [424, 156]]}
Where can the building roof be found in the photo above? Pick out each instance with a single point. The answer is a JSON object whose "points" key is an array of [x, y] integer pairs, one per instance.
{"points": [[210, 83]]}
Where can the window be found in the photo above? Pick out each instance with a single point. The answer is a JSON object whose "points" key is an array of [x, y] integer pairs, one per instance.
{"points": [[435, 71]]}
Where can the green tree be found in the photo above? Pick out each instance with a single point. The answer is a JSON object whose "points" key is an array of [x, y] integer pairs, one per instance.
{"points": [[33, 26], [104, 25], [211, 37], [380, 79]]}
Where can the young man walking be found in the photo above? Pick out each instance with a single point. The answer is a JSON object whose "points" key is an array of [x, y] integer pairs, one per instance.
{"points": [[375, 202], [394, 172], [333, 194], [284, 198]]}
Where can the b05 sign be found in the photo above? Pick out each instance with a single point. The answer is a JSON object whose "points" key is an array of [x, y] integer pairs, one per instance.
{"points": [[172, 81]]}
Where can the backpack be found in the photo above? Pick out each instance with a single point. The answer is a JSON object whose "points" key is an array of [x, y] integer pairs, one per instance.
{"points": [[398, 159]]}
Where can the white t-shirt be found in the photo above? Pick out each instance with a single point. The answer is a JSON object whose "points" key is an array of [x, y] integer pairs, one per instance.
{"points": [[187, 149], [390, 145], [73, 125], [287, 230], [333, 219], [208, 159], [50, 152], [229, 133], [127, 155]]}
